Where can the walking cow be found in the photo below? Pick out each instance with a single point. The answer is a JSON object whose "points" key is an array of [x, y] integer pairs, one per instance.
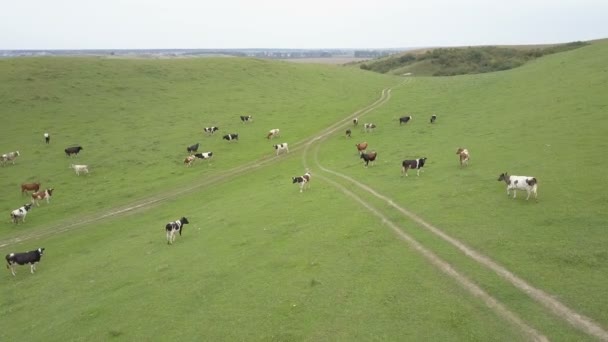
{"points": [[527, 183], [175, 227], [31, 257]]}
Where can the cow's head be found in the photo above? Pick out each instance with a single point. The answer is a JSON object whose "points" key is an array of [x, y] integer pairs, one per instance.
{"points": [[503, 177], [27, 207], [40, 250], [50, 191]]}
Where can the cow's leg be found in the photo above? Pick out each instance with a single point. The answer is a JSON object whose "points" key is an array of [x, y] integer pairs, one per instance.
{"points": [[528, 191], [12, 267], [32, 268], [514, 193], [168, 238]]}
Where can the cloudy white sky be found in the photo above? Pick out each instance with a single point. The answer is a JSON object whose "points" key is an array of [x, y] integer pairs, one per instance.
{"points": [[139, 24]]}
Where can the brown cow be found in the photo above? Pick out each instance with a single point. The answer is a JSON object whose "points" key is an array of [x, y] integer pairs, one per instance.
{"points": [[361, 147], [46, 194], [369, 157], [463, 156], [25, 187]]}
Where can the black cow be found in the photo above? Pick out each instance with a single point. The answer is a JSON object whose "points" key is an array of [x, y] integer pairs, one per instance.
{"points": [[412, 164], [74, 150], [433, 118], [231, 136], [173, 227], [211, 129], [348, 133], [246, 118], [31, 257], [405, 119], [369, 157], [193, 148]]}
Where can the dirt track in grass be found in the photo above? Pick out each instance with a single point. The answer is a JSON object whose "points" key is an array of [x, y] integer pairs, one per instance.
{"points": [[577, 320]]}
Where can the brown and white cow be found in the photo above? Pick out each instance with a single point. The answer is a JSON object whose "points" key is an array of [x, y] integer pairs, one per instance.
{"points": [[25, 187], [275, 132], [361, 147], [412, 164], [46, 195], [188, 161], [463, 156]]}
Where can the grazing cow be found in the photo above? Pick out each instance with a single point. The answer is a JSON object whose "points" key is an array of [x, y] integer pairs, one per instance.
{"points": [[433, 118], [348, 133], [281, 147], [175, 227], [25, 187], [211, 130], [11, 156], [204, 155], [361, 147], [412, 164], [246, 118], [19, 214], [231, 136], [463, 156], [74, 150], [188, 161], [355, 122], [368, 127], [530, 184], [273, 133], [80, 168], [47, 138], [405, 119], [369, 157], [46, 194], [31, 257], [193, 148], [303, 180]]}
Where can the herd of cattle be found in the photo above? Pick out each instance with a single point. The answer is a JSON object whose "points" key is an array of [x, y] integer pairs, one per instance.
{"points": [[529, 184]]}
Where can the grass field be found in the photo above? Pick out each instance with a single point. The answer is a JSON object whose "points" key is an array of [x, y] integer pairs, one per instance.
{"points": [[261, 261]]}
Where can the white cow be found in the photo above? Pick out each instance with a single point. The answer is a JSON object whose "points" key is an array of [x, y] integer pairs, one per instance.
{"points": [[530, 184], [281, 147], [80, 168], [11, 156]]}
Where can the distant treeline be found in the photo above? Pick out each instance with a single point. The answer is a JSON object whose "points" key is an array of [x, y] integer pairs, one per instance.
{"points": [[471, 60]]}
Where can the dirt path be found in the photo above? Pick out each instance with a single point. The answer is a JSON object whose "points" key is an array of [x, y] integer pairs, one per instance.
{"points": [[577, 320]]}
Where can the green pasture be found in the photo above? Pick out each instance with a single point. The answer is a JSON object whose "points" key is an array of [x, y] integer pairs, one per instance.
{"points": [[261, 261]]}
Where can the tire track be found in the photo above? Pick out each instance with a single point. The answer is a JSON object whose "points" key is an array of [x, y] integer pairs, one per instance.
{"points": [[575, 319]]}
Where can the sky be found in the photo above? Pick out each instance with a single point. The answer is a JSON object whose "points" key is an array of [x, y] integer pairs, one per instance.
{"points": [[305, 24]]}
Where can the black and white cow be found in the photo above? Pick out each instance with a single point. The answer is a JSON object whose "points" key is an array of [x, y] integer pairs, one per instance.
{"points": [[368, 127], [211, 130], [231, 136], [369, 157], [175, 227], [246, 118], [74, 150], [412, 164], [19, 214], [31, 257], [405, 119], [281, 147], [355, 122], [204, 155], [303, 180], [433, 118], [192, 148]]}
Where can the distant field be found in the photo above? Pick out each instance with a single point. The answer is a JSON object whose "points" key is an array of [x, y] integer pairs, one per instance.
{"points": [[261, 261], [333, 60]]}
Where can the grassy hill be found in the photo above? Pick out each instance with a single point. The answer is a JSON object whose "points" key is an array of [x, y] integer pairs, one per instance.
{"points": [[461, 61], [261, 261]]}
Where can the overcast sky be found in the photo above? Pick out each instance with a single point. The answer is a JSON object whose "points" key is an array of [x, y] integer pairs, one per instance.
{"points": [[139, 24]]}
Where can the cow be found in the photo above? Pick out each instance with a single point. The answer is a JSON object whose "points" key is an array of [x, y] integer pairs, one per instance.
{"points": [[46, 195], [368, 127], [246, 118], [210, 130], [47, 138], [281, 147], [412, 164], [19, 214], [361, 147], [25, 187], [433, 118], [275, 132], [231, 136], [11, 156], [303, 180], [348, 133], [463, 156], [80, 168], [31, 257], [204, 155], [74, 150], [530, 184], [355, 122], [405, 119], [369, 157], [175, 227], [188, 161], [192, 148]]}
